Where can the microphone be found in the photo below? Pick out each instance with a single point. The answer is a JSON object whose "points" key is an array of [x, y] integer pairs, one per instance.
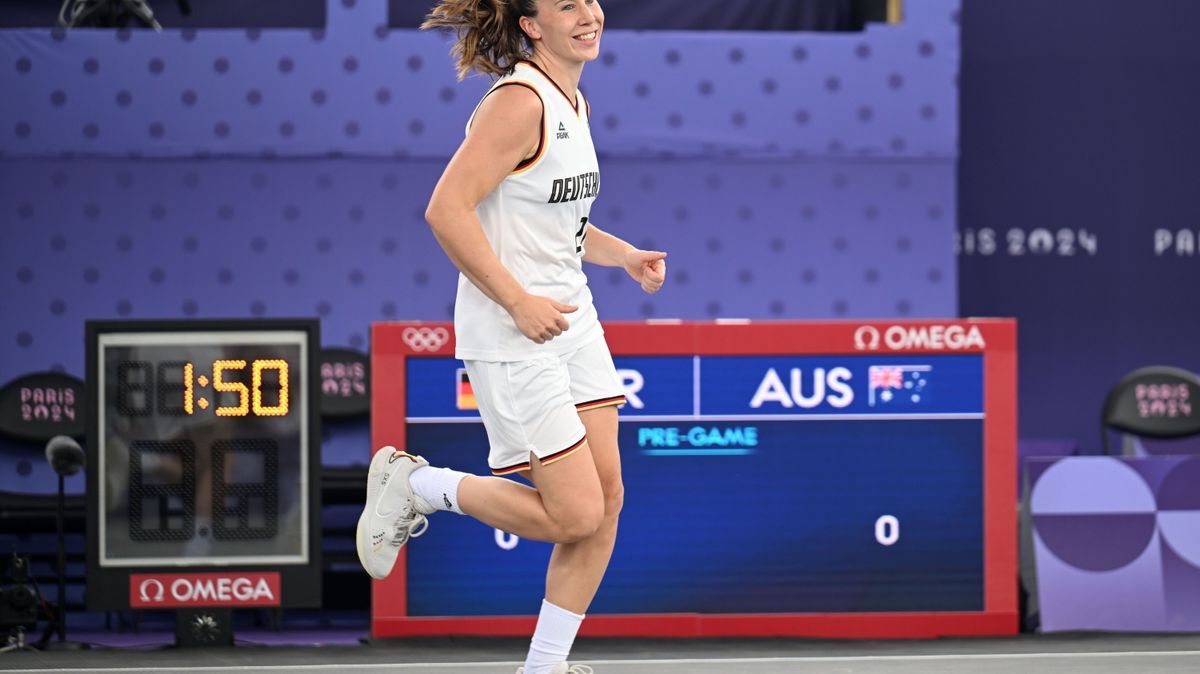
{"points": [[64, 454]]}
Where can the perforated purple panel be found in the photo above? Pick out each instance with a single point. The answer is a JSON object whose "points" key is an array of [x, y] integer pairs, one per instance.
{"points": [[346, 240], [284, 173], [358, 88]]}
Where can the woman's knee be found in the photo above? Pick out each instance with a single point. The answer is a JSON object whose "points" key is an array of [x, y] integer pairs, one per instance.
{"points": [[597, 519], [580, 521], [614, 498]]}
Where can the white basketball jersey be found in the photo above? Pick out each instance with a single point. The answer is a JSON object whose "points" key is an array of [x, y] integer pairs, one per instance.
{"points": [[536, 221]]}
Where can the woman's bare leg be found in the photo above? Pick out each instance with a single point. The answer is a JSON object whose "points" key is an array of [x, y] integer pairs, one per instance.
{"points": [[576, 568], [567, 505]]}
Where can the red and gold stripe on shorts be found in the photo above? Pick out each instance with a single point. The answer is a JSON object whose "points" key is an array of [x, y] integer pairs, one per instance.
{"points": [[549, 459], [559, 456], [511, 469], [602, 402]]}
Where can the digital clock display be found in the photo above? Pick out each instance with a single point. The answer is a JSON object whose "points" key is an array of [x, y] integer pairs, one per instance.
{"points": [[203, 447], [170, 388]]}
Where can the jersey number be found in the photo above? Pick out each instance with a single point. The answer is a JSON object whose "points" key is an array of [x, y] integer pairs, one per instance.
{"points": [[581, 235]]}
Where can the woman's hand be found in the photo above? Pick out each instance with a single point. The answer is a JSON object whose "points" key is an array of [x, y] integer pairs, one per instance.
{"points": [[540, 318], [647, 267]]}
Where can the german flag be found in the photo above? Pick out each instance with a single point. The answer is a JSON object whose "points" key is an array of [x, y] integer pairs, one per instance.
{"points": [[464, 395]]}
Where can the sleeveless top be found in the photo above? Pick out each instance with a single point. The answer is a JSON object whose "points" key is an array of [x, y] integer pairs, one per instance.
{"points": [[536, 221]]}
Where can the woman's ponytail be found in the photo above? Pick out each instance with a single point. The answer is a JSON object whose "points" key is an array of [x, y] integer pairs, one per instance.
{"points": [[489, 36]]}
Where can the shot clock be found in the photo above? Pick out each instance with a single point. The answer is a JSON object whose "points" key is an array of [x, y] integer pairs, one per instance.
{"points": [[203, 451]]}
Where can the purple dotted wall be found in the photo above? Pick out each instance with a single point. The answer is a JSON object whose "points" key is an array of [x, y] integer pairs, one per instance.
{"points": [[284, 173], [357, 88], [346, 240]]}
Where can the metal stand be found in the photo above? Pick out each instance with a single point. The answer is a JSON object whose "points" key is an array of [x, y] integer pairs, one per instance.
{"points": [[16, 641], [62, 559], [60, 617]]}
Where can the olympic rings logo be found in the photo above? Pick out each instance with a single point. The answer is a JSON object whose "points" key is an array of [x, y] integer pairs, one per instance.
{"points": [[425, 339]]}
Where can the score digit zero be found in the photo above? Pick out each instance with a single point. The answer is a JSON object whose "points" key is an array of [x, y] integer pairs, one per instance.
{"points": [[887, 530]]}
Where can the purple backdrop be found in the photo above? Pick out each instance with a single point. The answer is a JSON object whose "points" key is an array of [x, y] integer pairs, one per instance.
{"points": [[1079, 211], [284, 172]]}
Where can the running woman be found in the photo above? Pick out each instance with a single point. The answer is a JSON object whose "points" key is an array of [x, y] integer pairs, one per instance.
{"points": [[512, 212]]}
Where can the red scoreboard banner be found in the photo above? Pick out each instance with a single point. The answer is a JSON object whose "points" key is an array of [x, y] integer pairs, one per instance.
{"points": [[886, 449]]}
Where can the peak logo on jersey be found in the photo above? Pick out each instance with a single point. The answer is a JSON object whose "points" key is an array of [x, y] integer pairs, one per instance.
{"points": [[562, 132], [582, 186]]}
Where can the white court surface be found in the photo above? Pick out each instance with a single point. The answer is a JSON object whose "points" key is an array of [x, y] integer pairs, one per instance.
{"points": [[1101, 654]]}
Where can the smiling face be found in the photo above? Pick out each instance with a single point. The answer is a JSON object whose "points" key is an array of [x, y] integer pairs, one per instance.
{"points": [[566, 30]]}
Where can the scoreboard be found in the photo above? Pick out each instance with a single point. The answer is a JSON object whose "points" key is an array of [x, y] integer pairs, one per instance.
{"points": [[819, 479], [203, 464]]}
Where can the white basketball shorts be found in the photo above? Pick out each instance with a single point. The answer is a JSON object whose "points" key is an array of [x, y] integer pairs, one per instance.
{"points": [[532, 406]]}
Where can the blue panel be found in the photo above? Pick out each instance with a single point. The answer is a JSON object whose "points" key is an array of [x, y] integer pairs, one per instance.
{"points": [[752, 385], [847, 385], [883, 511], [799, 524], [656, 386]]}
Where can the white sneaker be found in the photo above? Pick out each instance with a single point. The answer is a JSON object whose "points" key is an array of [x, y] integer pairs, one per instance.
{"points": [[393, 513], [564, 668]]}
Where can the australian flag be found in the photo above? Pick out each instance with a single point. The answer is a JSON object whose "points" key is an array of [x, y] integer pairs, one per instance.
{"points": [[898, 386]]}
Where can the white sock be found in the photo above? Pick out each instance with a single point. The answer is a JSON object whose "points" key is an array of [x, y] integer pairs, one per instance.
{"points": [[552, 639], [439, 486]]}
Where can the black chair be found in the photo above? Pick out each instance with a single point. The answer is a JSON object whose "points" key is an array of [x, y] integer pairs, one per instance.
{"points": [[1153, 402]]}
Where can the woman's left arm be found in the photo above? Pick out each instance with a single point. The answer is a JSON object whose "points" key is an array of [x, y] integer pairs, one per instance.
{"points": [[647, 267]]}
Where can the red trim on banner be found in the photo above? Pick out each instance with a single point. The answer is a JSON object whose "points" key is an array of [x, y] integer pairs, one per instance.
{"points": [[650, 339], [391, 345], [692, 625], [1000, 469]]}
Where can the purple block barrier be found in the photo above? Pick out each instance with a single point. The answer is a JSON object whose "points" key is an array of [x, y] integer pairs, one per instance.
{"points": [[1028, 448], [1117, 542]]}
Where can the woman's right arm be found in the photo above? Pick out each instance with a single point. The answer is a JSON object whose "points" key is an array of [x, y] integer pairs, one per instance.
{"points": [[506, 130]]}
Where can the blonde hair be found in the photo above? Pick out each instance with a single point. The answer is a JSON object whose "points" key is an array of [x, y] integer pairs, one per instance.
{"points": [[489, 35]]}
